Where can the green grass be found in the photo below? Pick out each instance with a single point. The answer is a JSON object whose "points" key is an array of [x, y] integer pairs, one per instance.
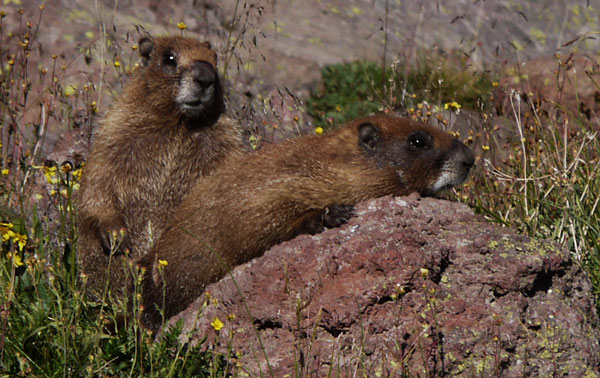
{"points": [[349, 90]]}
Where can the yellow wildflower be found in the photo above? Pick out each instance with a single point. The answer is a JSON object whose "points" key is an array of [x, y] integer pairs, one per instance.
{"points": [[17, 261], [5, 172], [21, 240], [163, 263], [452, 105], [117, 64], [181, 25], [76, 174], [217, 324], [485, 148], [319, 130], [494, 84], [424, 272], [50, 174], [70, 90], [6, 230]]}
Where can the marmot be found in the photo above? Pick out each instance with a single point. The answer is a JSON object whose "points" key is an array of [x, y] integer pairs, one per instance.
{"points": [[249, 204], [164, 132]]}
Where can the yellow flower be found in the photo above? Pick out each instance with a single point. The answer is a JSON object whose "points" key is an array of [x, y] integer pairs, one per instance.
{"points": [[50, 174], [485, 148], [163, 263], [338, 108], [21, 240], [5, 172], [424, 272], [494, 84], [76, 173], [117, 64], [16, 259], [452, 105], [70, 90], [181, 25], [217, 324], [6, 230], [319, 130]]}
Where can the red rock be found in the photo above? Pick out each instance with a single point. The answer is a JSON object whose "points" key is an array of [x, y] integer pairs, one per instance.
{"points": [[355, 299]]}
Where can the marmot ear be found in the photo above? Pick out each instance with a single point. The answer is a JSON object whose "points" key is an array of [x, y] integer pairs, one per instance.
{"points": [[368, 136], [146, 45]]}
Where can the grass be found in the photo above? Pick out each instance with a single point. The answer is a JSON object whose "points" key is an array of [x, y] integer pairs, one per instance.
{"points": [[349, 90], [543, 180]]}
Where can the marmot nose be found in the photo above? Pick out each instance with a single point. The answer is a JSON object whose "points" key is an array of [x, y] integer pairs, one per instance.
{"points": [[203, 73], [463, 154]]}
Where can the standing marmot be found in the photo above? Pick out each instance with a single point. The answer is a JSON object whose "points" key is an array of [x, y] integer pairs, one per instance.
{"points": [[249, 204], [156, 140]]}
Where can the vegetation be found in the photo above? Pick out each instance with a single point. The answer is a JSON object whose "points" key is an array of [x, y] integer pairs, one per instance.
{"points": [[49, 326], [542, 179], [352, 89]]}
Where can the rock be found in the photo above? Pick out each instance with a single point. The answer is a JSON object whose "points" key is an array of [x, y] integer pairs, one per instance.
{"points": [[564, 85], [412, 285]]}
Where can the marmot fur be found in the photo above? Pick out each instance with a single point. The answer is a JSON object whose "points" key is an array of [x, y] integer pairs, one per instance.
{"points": [[249, 204]]}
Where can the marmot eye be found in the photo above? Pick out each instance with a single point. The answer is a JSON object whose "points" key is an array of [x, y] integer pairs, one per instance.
{"points": [[418, 142], [169, 59]]}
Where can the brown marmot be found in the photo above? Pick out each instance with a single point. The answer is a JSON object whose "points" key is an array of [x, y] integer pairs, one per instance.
{"points": [[250, 204], [164, 132]]}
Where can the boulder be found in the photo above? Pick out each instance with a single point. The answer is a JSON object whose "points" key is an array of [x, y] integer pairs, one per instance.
{"points": [[410, 286]]}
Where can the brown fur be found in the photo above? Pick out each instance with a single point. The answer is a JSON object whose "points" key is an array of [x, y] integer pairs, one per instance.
{"points": [[156, 140], [251, 203]]}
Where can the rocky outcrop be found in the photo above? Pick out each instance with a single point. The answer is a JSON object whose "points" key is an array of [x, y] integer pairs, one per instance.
{"points": [[413, 286]]}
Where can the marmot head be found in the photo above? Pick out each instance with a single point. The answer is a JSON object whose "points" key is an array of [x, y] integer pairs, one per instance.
{"points": [[425, 159], [186, 69]]}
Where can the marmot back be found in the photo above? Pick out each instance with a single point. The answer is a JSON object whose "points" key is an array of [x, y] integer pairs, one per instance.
{"points": [[159, 136], [250, 204]]}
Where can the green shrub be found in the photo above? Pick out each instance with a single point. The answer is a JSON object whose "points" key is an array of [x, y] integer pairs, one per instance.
{"points": [[349, 90]]}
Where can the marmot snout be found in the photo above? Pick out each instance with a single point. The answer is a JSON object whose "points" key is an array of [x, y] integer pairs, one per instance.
{"points": [[192, 66]]}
